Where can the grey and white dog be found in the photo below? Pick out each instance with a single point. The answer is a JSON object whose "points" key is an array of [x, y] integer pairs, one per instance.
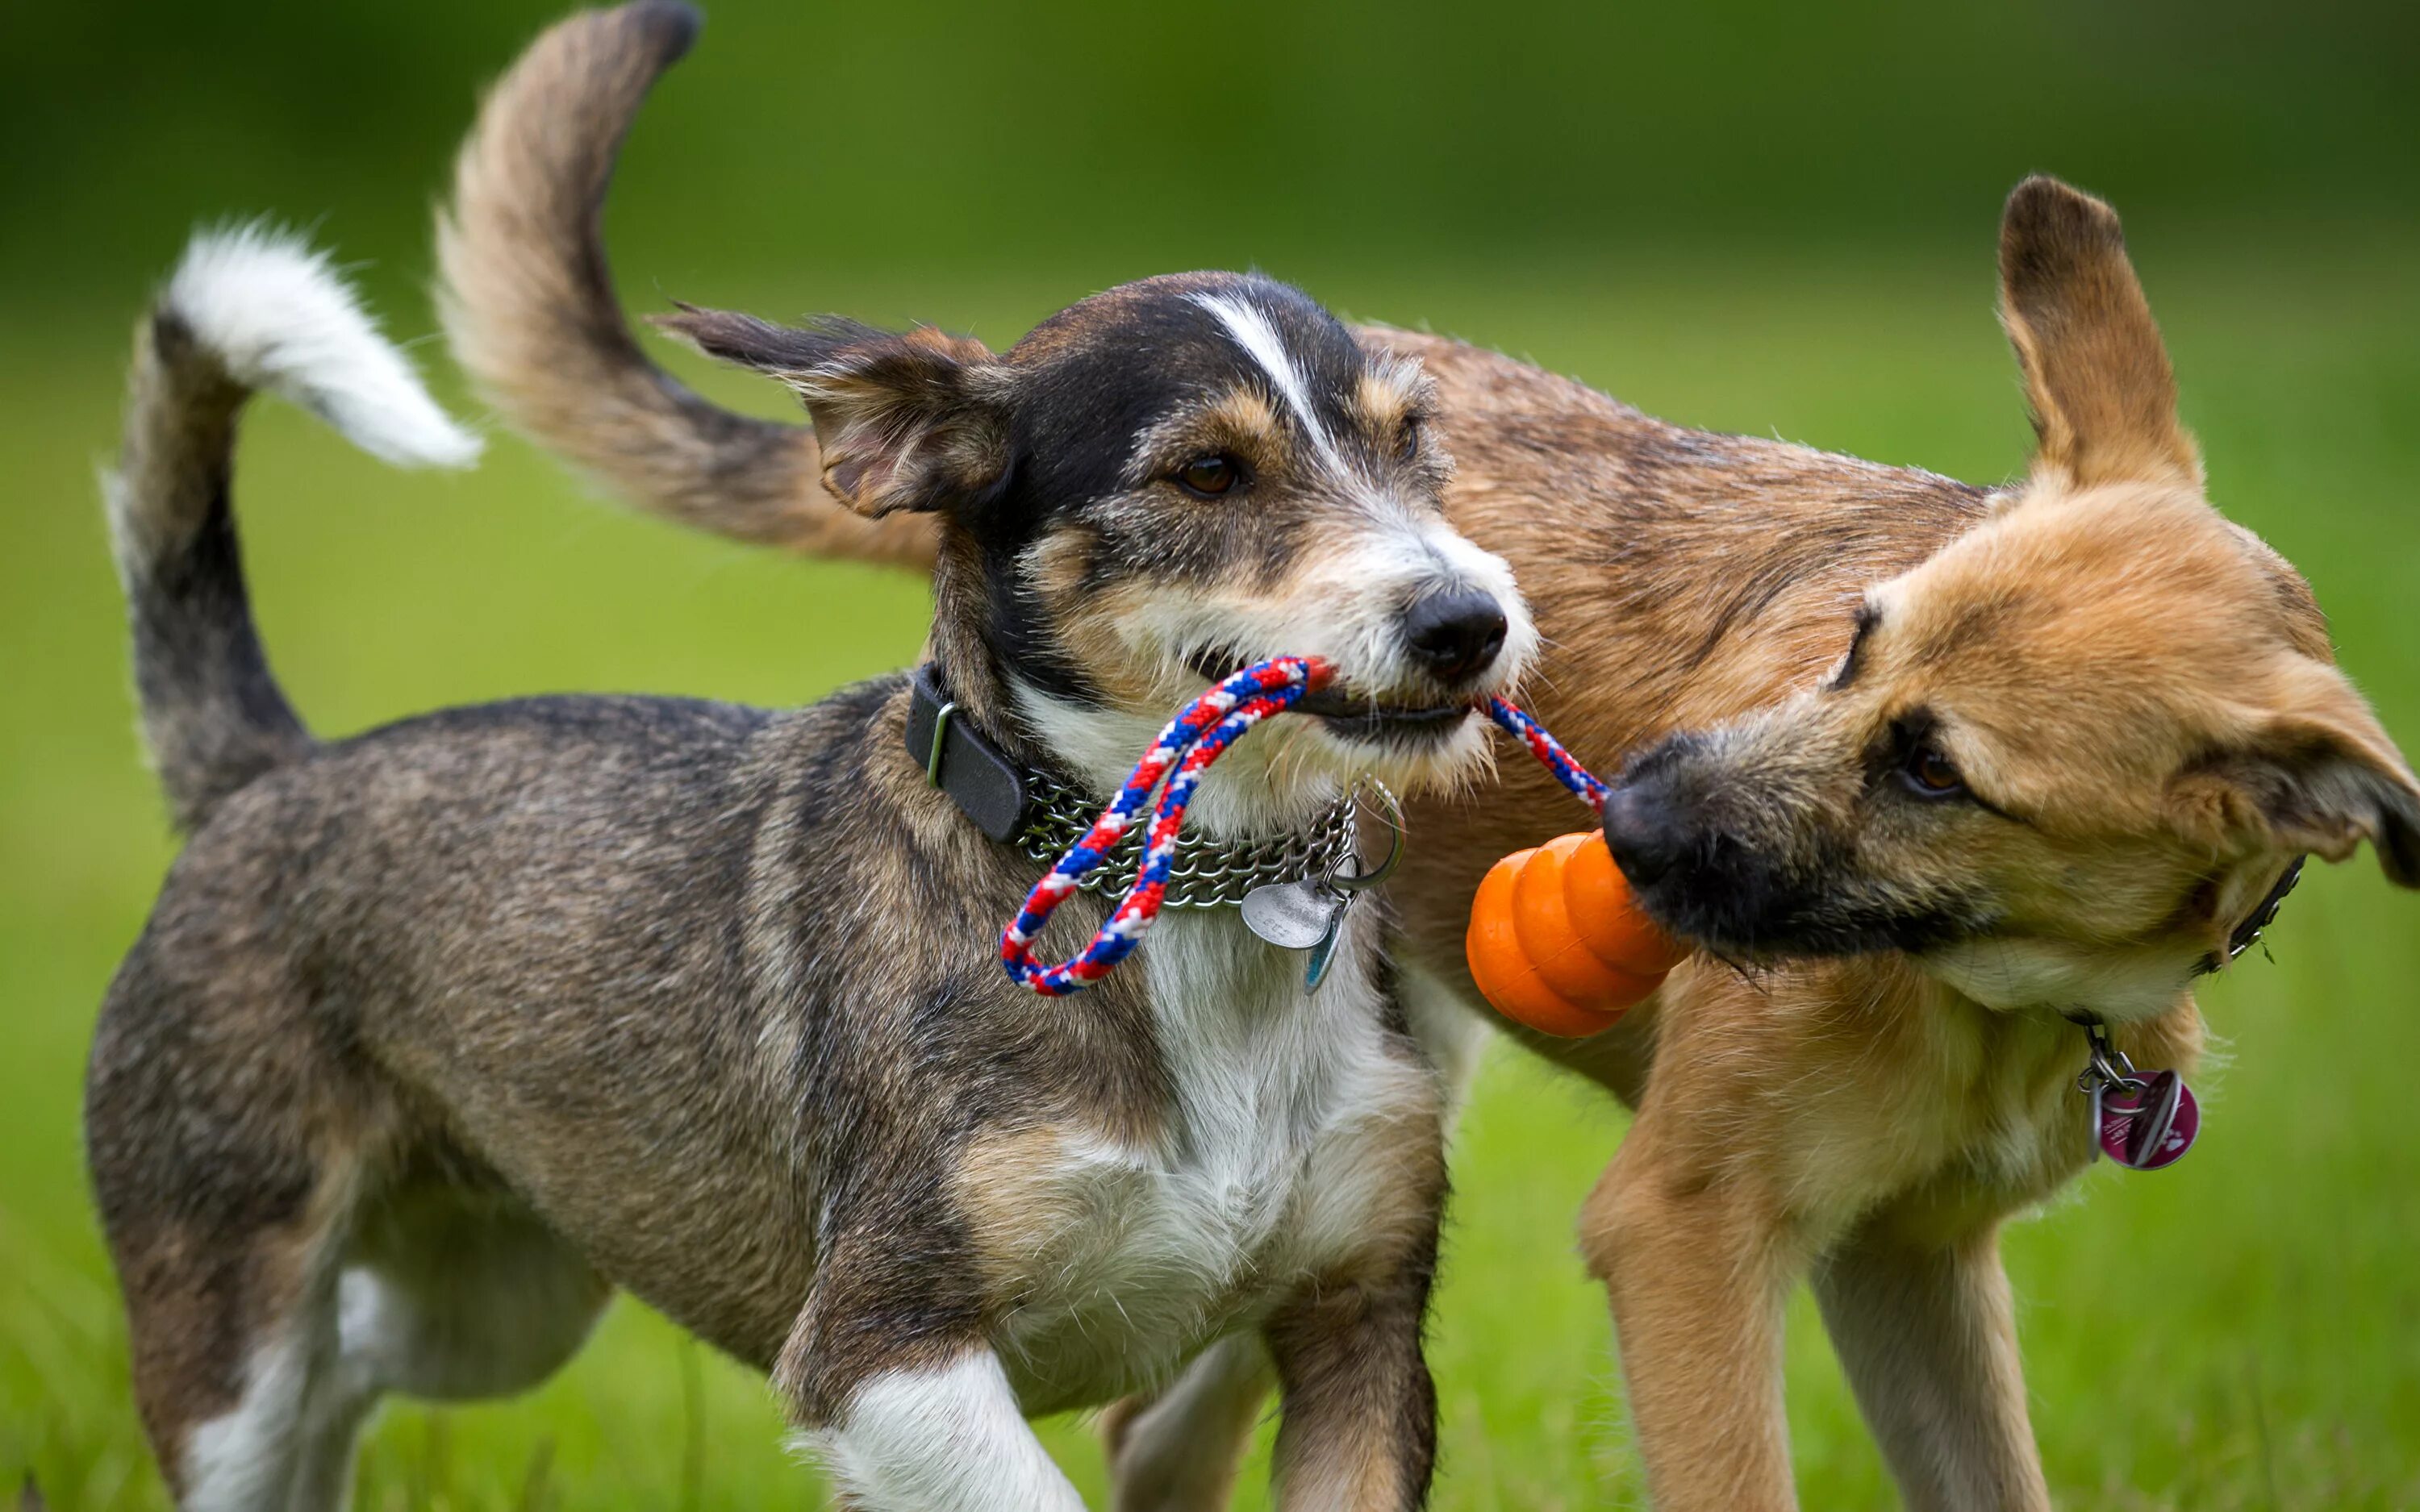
{"points": [[439, 1033]]}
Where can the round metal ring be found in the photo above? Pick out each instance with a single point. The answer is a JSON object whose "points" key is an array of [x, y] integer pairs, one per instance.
{"points": [[1357, 882]]}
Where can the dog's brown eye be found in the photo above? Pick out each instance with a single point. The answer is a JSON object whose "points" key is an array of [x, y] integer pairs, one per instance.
{"points": [[1932, 774], [1408, 447], [1209, 476]]}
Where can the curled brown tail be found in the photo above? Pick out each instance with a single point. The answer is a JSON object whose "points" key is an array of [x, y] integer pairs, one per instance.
{"points": [[528, 307]]}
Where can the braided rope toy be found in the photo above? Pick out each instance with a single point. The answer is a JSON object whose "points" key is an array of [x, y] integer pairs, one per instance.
{"points": [[1517, 723], [1173, 767], [1181, 752]]}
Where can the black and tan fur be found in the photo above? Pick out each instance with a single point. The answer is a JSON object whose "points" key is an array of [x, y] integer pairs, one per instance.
{"points": [[439, 1033], [1944, 764]]}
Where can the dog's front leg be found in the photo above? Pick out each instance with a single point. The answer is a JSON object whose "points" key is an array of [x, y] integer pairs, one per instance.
{"points": [[1697, 1269], [944, 1436], [1357, 1430], [901, 1400], [1925, 1333]]}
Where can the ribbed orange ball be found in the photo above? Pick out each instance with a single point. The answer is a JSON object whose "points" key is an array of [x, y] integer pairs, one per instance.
{"points": [[1557, 943]]}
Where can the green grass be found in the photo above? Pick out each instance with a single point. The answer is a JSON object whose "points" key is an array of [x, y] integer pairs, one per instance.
{"points": [[2241, 1332]]}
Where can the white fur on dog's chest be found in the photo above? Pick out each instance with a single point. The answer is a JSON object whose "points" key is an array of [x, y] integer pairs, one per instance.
{"points": [[1271, 1165]]}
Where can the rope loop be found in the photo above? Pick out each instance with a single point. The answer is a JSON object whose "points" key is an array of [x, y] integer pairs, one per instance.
{"points": [[1174, 763]]}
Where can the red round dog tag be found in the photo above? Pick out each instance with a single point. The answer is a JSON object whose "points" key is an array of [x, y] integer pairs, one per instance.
{"points": [[2147, 1126]]}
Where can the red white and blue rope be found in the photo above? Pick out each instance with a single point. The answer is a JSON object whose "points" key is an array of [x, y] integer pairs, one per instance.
{"points": [[1550, 753], [1178, 756]]}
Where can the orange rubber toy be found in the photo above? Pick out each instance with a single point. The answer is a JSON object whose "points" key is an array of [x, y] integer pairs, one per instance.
{"points": [[1557, 943]]}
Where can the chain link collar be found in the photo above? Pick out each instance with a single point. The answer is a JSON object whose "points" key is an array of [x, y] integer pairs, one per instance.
{"points": [[1208, 874], [1043, 815]]}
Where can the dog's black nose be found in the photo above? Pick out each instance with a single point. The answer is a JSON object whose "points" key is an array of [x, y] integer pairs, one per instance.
{"points": [[1454, 635], [1645, 834]]}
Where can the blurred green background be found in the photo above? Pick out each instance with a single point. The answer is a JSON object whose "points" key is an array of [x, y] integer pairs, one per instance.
{"points": [[1756, 217]]}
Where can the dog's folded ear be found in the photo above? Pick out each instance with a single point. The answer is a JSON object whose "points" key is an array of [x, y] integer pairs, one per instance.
{"points": [[905, 420], [2103, 397], [2322, 776]]}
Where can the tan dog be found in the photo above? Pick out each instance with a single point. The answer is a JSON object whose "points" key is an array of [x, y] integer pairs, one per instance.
{"points": [[1972, 767]]}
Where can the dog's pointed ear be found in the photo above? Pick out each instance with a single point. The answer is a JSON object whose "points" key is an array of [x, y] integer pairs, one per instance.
{"points": [[909, 421], [2322, 775], [2097, 375]]}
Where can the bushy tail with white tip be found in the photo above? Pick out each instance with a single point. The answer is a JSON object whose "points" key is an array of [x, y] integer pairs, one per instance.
{"points": [[246, 309]]}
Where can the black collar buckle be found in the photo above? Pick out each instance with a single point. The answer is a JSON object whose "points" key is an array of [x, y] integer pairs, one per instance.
{"points": [[986, 784]]}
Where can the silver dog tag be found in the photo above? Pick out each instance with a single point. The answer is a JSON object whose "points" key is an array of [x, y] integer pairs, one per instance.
{"points": [[1323, 955], [1310, 914], [1299, 916], [1293, 916]]}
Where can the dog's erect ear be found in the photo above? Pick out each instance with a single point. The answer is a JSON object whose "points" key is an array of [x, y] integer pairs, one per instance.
{"points": [[2104, 399], [2322, 778], [904, 421]]}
